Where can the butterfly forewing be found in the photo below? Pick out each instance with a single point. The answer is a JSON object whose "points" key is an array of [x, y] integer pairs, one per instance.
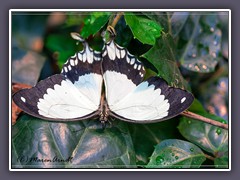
{"points": [[122, 72], [84, 71], [74, 94]]}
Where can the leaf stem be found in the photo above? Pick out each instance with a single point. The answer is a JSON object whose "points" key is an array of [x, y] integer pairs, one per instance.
{"points": [[204, 119], [116, 19]]}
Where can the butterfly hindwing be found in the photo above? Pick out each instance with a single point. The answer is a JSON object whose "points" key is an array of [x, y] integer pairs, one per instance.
{"points": [[152, 101], [122, 72], [74, 94]]}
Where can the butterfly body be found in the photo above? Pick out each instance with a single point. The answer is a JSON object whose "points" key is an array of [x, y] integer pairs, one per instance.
{"points": [[77, 93]]}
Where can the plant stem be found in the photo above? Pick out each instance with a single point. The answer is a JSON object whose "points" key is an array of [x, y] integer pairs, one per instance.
{"points": [[204, 119], [116, 19], [209, 157]]}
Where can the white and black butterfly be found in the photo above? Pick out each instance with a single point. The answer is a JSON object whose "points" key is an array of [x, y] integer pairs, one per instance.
{"points": [[77, 93]]}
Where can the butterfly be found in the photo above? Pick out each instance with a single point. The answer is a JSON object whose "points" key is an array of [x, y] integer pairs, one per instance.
{"points": [[102, 84]]}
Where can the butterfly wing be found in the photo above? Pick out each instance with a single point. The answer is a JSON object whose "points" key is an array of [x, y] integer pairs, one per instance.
{"points": [[72, 95], [129, 98], [152, 101], [122, 72]]}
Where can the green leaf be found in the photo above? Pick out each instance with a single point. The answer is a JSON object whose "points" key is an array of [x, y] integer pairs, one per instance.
{"points": [[81, 144], [146, 136], [200, 43], [63, 45], [162, 56], [94, 22], [145, 30], [174, 153], [162, 18], [210, 138]]}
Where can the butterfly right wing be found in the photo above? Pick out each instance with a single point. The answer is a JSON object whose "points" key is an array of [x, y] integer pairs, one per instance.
{"points": [[72, 95]]}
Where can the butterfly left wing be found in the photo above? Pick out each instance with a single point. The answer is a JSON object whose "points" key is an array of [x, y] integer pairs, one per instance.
{"points": [[72, 95], [152, 101]]}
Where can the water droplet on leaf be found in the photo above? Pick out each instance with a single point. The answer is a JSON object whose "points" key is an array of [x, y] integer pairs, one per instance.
{"points": [[189, 121], [192, 149], [176, 157], [159, 159], [218, 131]]}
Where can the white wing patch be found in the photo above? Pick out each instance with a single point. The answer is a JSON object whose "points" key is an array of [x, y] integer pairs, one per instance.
{"points": [[183, 99], [70, 100], [143, 103], [118, 83], [90, 85], [23, 99]]}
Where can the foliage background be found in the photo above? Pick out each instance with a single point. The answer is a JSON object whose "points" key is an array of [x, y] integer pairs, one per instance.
{"points": [[187, 49]]}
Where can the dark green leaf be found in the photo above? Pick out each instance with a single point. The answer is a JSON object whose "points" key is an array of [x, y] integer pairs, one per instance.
{"points": [[146, 136], [200, 43], [85, 143], [162, 18], [62, 45], [162, 56], [210, 138], [94, 22], [222, 160], [124, 34], [145, 30], [173, 153], [178, 20]]}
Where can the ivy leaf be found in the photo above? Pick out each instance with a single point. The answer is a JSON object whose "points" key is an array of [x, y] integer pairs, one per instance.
{"points": [[144, 29], [82, 144], [94, 22], [174, 153], [162, 56], [62, 45], [200, 43], [178, 20], [146, 136], [162, 18], [210, 138]]}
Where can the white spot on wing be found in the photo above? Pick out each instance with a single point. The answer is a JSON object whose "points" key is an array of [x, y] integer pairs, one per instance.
{"points": [[132, 61], [123, 53], [183, 99], [135, 66], [84, 58], [111, 51], [139, 67], [69, 67], [128, 60], [76, 62], [23, 99], [89, 55], [72, 62], [80, 56], [118, 53], [65, 69], [104, 53]]}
